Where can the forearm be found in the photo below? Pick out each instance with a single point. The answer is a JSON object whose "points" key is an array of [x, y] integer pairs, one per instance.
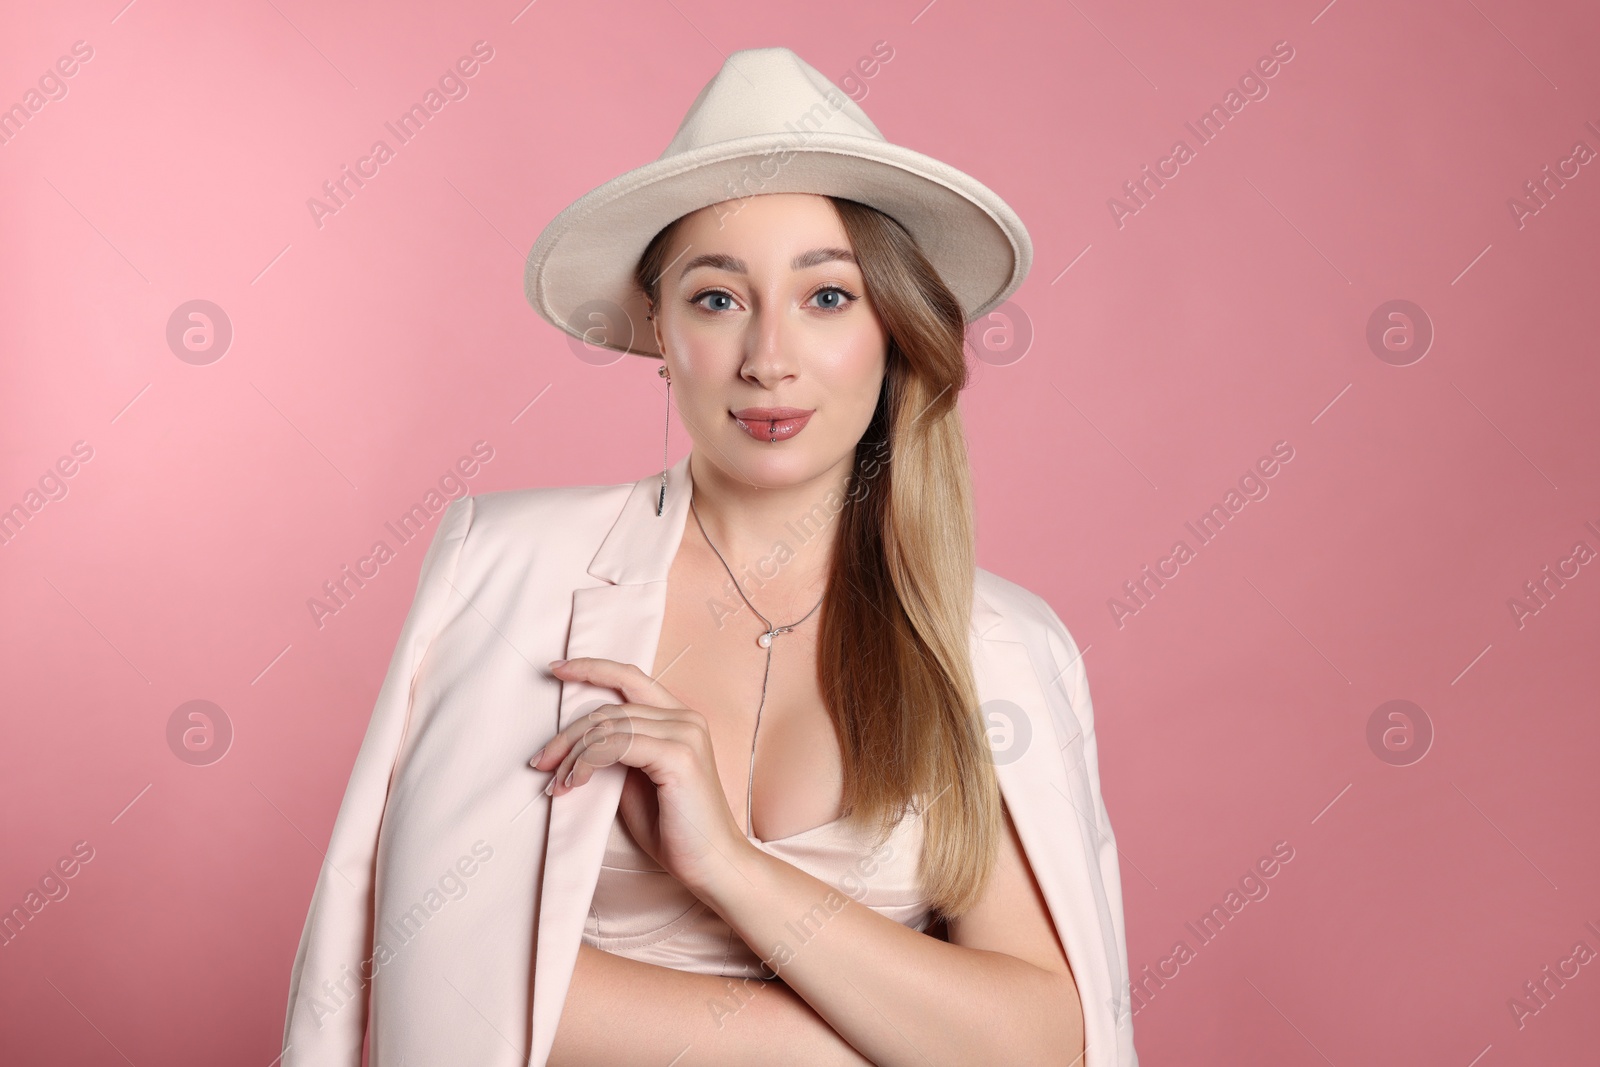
{"points": [[622, 1012], [900, 996]]}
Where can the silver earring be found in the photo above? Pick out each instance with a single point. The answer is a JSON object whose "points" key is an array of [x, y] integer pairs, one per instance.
{"points": [[661, 501]]}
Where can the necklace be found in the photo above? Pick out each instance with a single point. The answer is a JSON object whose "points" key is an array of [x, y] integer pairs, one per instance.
{"points": [[765, 641]]}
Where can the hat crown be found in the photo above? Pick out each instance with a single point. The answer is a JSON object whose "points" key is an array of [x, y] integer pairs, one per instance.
{"points": [[763, 91]]}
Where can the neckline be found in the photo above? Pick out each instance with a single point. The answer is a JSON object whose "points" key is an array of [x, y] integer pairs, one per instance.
{"points": [[910, 812], [753, 839]]}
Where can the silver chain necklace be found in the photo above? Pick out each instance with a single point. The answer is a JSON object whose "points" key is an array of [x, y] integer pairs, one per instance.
{"points": [[765, 641]]}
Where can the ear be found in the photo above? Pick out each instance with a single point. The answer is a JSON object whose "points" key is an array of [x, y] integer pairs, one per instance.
{"points": [[655, 328]]}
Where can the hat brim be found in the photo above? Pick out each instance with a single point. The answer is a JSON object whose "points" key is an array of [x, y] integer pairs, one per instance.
{"points": [[579, 273]]}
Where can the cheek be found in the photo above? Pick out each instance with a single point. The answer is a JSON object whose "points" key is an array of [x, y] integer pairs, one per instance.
{"points": [[703, 355], [859, 371], [692, 399]]}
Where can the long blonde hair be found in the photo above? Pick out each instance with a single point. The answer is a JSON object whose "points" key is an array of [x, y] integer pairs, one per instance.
{"points": [[892, 652]]}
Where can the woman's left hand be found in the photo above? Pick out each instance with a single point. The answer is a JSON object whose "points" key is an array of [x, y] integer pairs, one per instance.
{"points": [[675, 808]]}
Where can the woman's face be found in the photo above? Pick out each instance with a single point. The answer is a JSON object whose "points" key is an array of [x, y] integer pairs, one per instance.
{"points": [[767, 332]]}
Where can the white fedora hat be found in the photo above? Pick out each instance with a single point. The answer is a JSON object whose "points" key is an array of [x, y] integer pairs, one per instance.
{"points": [[768, 122]]}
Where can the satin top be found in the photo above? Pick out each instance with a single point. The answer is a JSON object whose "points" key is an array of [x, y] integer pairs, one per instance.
{"points": [[642, 912]]}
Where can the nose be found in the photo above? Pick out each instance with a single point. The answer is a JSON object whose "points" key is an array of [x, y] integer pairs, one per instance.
{"points": [[768, 357]]}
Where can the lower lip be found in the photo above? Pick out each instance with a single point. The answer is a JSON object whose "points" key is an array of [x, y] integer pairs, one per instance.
{"points": [[768, 430]]}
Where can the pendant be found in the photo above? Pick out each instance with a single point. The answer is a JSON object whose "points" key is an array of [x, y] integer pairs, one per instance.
{"points": [[765, 640]]}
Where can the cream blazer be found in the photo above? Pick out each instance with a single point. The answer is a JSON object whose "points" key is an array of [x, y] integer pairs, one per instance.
{"points": [[435, 896]]}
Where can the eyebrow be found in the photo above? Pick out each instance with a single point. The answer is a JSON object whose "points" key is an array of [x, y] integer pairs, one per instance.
{"points": [[735, 265]]}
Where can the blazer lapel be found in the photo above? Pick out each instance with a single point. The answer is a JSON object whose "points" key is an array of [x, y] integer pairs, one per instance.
{"points": [[620, 621]]}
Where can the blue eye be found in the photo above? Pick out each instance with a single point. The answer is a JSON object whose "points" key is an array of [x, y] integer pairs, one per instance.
{"points": [[712, 292], [843, 293]]}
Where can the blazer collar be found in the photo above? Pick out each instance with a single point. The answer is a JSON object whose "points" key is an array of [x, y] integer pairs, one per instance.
{"points": [[641, 545]]}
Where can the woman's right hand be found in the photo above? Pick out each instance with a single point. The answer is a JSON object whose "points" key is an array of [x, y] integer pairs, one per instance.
{"points": [[675, 808]]}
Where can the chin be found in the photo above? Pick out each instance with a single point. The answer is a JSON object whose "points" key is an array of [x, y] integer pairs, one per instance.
{"points": [[774, 466]]}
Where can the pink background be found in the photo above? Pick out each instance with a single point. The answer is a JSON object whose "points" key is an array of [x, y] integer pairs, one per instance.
{"points": [[1168, 354]]}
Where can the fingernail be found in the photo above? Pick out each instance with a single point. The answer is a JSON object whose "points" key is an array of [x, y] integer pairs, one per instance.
{"points": [[537, 756], [549, 790], [557, 662], [569, 776]]}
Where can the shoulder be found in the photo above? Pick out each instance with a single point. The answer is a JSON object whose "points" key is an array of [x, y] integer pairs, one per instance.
{"points": [[1018, 614], [1026, 613], [540, 520], [537, 504]]}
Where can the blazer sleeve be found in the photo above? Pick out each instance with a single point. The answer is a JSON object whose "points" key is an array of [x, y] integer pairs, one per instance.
{"points": [[1073, 678], [327, 1012]]}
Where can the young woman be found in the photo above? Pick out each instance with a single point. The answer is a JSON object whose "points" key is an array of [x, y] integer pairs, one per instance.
{"points": [[810, 787]]}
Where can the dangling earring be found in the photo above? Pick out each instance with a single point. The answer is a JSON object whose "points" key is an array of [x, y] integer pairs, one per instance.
{"points": [[661, 501]]}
